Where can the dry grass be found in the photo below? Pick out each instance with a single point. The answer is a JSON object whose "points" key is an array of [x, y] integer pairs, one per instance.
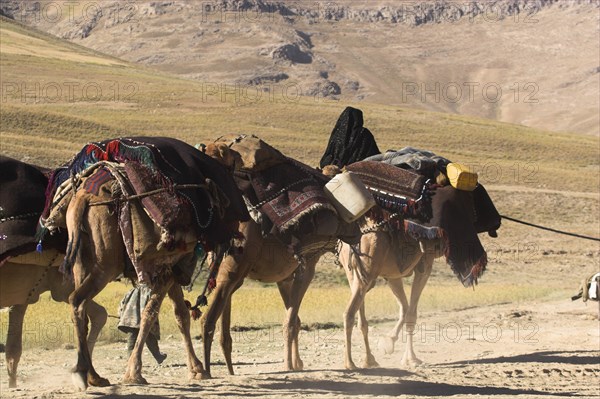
{"points": [[128, 99], [48, 323]]}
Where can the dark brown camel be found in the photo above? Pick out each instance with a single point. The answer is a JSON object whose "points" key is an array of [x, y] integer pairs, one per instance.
{"points": [[24, 273], [267, 260], [20, 286]]}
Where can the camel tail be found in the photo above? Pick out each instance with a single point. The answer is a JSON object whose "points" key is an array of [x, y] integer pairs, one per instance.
{"points": [[75, 212]]}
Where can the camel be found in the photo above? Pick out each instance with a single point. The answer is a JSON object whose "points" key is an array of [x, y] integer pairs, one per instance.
{"points": [[27, 274], [393, 255], [20, 286], [100, 259], [98, 251], [393, 246], [265, 259], [378, 258]]}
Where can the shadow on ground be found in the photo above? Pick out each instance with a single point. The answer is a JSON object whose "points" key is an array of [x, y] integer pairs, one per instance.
{"points": [[566, 357]]}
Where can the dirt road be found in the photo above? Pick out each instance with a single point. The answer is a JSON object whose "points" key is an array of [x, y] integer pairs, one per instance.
{"points": [[534, 350]]}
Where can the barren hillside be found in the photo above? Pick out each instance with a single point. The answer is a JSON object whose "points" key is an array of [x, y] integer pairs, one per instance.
{"points": [[527, 62]]}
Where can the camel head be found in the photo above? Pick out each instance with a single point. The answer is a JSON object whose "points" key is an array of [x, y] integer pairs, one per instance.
{"points": [[221, 152]]}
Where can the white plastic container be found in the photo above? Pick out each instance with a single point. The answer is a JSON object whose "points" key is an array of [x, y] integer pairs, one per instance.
{"points": [[349, 196]]}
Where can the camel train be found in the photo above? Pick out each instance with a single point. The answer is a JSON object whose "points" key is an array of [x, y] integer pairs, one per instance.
{"points": [[148, 207]]}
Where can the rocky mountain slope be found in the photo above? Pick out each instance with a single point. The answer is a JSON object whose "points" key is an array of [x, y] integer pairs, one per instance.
{"points": [[529, 62]]}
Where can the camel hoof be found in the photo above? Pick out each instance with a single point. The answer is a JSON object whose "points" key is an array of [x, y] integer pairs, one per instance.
{"points": [[197, 372], [371, 363], [195, 376], [299, 366], [135, 380], [12, 383], [410, 362], [79, 379], [386, 344], [351, 366], [205, 375], [98, 381]]}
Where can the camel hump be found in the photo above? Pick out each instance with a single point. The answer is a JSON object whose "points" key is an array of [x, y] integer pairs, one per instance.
{"points": [[253, 154]]}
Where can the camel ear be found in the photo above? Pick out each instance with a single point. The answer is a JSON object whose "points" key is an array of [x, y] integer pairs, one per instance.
{"points": [[221, 152]]}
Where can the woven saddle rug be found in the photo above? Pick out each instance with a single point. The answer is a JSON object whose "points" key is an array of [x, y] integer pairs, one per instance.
{"points": [[287, 193], [396, 190], [107, 184], [285, 197], [454, 213], [182, 191], [284, 190]]}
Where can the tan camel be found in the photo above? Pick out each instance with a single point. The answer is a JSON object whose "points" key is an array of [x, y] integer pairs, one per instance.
{"points": [[100, 257], [264, 259], [394, 253], [393, 258], [22, 280], [267, 260]]}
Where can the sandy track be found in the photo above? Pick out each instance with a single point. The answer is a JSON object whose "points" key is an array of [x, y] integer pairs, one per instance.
{"points": [[537, 350]]}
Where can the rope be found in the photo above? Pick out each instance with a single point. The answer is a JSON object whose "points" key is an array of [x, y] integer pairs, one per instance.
{"points": [[149, 193], [550, 229], [44, 273], [20, 217]]}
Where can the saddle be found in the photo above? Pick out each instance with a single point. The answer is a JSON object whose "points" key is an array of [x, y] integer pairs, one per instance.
{"points": [[167, 194], [285, 197]]}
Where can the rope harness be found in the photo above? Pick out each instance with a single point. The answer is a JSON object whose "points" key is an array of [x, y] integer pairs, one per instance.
{"points": [[20, 217], [148, 194], [39, 281], [537, 226]]}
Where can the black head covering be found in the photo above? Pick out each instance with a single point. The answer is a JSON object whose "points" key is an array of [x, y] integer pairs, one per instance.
{"points": [[350, 141]]}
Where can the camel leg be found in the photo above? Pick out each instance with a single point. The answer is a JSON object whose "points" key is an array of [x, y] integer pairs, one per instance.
{"points": [[356, 301], [84, 373], [296, 360], [14, 341], [285, 290], [291, 325], [182, 317], [98, 317], [133, 372], [422, 272], [220, 296], [397, 288], [363, 324], [226, 340]]}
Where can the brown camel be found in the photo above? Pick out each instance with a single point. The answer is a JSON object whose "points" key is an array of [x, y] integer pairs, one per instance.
{"points": [[267, 260], [22, 280], [264, 258], [99, 242], [99, 260]]}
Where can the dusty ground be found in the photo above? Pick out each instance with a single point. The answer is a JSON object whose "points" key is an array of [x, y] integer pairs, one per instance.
{"points": [[549, 349]]}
